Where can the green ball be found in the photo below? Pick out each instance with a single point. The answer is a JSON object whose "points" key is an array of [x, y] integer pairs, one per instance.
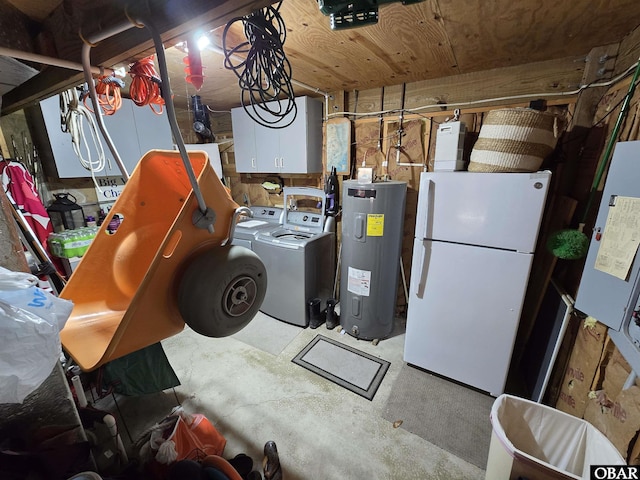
{"points": [[568, 244]]}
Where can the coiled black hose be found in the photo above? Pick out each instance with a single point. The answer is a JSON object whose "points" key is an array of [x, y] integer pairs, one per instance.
{"points": [[262, 68]]}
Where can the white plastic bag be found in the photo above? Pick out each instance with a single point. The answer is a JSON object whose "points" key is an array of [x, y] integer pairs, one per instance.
{"points": [[20, 290], [30, 323], [10, 280]]}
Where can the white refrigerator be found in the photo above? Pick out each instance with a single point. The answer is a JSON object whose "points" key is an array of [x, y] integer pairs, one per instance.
{"points": [[472, 254]]}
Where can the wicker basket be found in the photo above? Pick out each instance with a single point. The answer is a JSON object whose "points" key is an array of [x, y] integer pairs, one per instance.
{"points": [[514, 140]]}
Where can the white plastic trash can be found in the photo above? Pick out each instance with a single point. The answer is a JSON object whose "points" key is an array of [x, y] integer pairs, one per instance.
{"points": [[535, 441]]}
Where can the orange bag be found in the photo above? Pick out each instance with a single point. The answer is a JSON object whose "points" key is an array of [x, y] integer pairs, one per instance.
{"points": [[201, 435], [192, 436]]}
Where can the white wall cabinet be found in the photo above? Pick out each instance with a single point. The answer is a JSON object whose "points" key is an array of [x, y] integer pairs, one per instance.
{"points": [[134, 131], [293, 149], [212, 150]]}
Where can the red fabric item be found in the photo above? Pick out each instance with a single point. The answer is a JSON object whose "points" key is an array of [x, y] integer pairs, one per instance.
{"points": [[19, 187], [18, 184]]}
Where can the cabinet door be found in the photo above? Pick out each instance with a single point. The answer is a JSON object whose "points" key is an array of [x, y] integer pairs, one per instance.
{"points": [[293, 141], [122, 129], [268, 149], [67, 162], [301, 142], [153, 130], [244, 141], [269, 140]]}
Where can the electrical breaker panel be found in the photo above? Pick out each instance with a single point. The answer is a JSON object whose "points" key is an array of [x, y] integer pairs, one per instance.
{"points": [[610, 286]]}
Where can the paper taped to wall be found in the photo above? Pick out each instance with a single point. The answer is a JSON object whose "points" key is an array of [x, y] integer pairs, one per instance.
{"points": [[621, 237]]}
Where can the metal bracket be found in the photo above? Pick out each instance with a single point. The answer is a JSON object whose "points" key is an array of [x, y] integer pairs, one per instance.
{"points": [[204, 220]]}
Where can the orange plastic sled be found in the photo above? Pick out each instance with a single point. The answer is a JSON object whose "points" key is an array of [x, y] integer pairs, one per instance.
{"points": [[125, 288]]}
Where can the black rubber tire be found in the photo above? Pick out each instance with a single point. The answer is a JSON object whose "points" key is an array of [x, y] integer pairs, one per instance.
{"points": [[221, 290]]}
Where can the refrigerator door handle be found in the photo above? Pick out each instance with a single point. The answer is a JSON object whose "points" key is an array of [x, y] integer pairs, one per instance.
{"points": [[424, 208], [417, 282]]}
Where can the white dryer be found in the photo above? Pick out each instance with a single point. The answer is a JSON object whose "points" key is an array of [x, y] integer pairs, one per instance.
{"points": [[299, 257]]}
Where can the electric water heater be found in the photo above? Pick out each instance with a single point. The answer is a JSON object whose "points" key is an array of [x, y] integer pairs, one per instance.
{"points": [[372, 222]]}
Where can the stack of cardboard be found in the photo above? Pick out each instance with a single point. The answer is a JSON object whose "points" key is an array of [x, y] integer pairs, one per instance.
{"points": [[582, 367], [614, 409], [598, 387]]}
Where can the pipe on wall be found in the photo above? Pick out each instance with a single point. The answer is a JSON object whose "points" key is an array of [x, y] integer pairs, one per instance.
{"points": [[54, 62]]}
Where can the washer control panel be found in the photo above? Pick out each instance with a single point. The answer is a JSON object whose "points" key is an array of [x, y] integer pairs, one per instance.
{"points": [[306, 221], [271, 214]]}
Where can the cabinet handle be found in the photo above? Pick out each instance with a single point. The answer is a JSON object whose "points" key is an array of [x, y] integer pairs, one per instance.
{"points": [[281, 162], [275, 162], [253, 163]]}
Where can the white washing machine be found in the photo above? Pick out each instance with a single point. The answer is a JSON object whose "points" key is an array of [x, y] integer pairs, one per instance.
{"points": [[262, 218], [299, 257]]}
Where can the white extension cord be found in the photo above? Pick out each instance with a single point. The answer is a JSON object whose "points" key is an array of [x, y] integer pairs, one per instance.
{"points": [[72, 113]]}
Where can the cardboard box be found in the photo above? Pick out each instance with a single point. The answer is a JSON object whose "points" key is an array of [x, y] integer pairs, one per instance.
{"points": [[613, 410], [582, 367], [616, 372]]}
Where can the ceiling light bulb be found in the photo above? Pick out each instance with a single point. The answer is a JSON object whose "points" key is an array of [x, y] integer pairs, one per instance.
{"points": [[203, 42]]}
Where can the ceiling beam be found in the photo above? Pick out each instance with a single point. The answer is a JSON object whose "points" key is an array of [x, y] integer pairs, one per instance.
{"points": [[70, 22], [16, 29]]}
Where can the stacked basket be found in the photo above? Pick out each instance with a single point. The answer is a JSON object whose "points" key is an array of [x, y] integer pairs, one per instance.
{"points": [[514, 140]]}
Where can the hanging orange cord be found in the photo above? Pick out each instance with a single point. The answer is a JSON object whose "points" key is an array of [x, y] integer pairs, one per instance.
{"points": [[108, 94], [145, 85]]}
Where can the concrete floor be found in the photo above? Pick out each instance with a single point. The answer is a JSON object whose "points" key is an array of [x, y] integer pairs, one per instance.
{"points": [[322, 430]]}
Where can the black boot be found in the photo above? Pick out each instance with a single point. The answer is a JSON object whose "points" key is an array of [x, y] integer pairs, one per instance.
{"points": [[271, 462], [333, 319], [316, 317]]}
